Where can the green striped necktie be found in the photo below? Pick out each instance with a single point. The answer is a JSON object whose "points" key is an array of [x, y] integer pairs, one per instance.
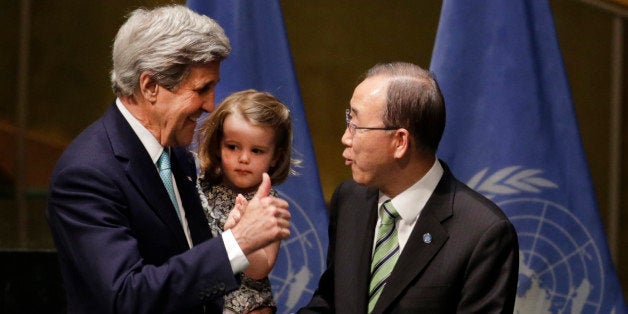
{"points": [[386, 253]]}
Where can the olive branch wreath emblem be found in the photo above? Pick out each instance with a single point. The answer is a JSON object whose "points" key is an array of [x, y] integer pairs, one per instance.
{"points": [[510, 180]]}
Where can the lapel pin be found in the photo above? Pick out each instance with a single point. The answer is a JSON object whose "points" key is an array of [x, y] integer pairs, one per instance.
{"points": [[189, 178], [427, 238]]}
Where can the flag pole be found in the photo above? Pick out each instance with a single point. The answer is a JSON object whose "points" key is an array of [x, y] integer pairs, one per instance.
{"points": [[615, 136], [21, 116]]}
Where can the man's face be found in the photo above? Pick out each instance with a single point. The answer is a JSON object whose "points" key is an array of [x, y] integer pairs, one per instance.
{"points": [[175, 112], [369, 152]]}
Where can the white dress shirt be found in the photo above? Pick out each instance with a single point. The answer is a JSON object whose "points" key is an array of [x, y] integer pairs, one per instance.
{"points": [[410, 203]]}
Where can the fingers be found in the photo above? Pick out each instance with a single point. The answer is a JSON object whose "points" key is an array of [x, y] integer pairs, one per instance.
{"points": [[264, 188], [235, 214], [282, 214], [231, 221], [284, 225], [241, 203]]}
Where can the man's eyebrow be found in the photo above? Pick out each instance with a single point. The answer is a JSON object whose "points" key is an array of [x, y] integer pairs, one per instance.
{"points": [[207, 84]]}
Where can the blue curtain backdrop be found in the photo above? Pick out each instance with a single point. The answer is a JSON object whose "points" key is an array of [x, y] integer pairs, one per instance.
{"points": [[512, 135], [261, 59]]}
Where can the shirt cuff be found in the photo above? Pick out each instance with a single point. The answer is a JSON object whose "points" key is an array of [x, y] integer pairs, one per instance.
{"points": [[238, 260]]}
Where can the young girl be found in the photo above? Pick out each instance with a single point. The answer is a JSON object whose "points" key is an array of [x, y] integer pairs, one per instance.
{"points": [[250, 133]]}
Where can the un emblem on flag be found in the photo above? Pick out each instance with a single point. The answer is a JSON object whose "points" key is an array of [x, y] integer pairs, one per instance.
{"points": [[560, 266], [300, 263]]}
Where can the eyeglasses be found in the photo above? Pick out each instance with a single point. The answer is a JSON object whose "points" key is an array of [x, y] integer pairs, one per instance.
{"points": [[352, 127]]}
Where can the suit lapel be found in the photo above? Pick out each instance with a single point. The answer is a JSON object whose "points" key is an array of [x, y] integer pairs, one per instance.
{"points": [[364, 261], [418, 253], [353, 259], [185, 175], [141, 171]]}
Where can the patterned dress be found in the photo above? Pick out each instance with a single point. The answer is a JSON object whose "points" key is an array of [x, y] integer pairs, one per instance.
{"points": [[217, 201]]}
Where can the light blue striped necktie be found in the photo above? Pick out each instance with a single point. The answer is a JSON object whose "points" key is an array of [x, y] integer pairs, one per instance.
{"points": [[163, 163], [385, 255]]}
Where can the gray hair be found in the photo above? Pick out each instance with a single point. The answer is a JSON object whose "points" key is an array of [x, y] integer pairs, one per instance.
{"points": [[414, 102], [164, 42]]}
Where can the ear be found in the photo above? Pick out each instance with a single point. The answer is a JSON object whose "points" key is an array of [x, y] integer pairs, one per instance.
{"points": [[148, 87], [401, 142]]}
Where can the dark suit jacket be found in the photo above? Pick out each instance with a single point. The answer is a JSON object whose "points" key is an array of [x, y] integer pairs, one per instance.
{"points": [[470, 265], [120, 243]]}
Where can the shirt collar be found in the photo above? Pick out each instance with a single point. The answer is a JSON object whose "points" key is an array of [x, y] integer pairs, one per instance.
{"points": [[149, 141], [410, 202]]}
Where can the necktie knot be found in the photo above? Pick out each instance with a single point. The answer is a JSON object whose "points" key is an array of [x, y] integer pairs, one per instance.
{"points": [[164, 161], [165, 172], [389, 214]]}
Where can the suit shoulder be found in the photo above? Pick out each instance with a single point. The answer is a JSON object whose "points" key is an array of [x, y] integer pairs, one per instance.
{"points": [[89, 151], [350, 188], [469, 201], [87, 143]]}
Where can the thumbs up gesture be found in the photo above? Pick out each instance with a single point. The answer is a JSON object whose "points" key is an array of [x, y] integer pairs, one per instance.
{"points": [[265, 219]]}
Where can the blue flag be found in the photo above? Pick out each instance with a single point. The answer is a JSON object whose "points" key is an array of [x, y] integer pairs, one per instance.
{"points": [[261, 59], [512, 135]]}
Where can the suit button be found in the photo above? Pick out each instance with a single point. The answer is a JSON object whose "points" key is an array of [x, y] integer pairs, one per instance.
{"points": [[203, 295]]}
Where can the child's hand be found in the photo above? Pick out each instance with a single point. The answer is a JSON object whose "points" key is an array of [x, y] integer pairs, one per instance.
{"points": [[236, 213], [265, 221]]}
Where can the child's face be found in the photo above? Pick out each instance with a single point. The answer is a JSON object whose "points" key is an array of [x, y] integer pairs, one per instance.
{"points": [[247, 151]]}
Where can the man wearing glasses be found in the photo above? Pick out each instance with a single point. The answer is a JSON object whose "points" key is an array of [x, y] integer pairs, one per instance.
{"points": [[405, 235]]}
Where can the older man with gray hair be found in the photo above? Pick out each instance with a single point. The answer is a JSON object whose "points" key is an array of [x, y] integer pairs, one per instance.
{"points": [[123, 209]]}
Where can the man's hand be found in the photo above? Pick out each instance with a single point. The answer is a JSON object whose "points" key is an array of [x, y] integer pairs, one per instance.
{"points": [[264, 220]]}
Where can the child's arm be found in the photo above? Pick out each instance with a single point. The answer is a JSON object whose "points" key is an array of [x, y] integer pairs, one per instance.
{"points": [[261, 261]]}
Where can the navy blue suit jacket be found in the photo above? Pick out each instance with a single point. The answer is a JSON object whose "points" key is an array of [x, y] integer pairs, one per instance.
{"points": [[468, 264], [120, 244]]}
